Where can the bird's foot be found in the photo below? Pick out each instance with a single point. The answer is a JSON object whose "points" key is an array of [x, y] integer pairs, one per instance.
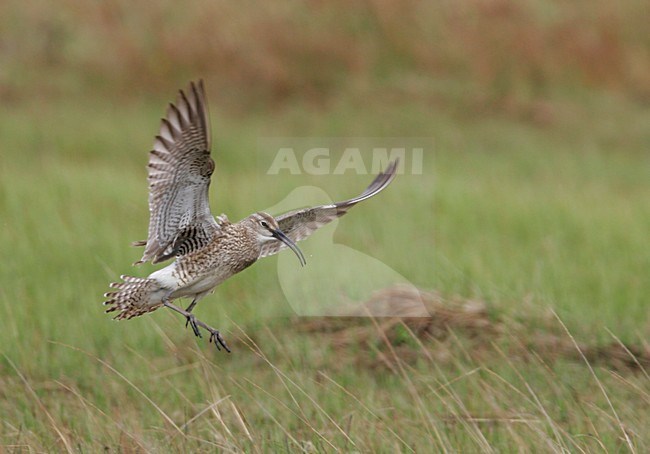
{"points": [[191, 320], [215, 336], [195, 323]]}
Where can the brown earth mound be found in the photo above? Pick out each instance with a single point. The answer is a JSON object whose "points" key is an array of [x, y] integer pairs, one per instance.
{"points": [[464, 322]]}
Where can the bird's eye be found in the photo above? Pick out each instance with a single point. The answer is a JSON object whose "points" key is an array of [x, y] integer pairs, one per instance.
{"points": [[264, 224]]}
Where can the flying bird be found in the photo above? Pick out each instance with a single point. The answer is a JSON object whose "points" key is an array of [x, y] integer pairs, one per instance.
{"points": [[206, 250]]}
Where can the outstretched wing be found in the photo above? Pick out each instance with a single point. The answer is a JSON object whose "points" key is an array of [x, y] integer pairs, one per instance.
{"points": [[180, 167], [299, 224]]}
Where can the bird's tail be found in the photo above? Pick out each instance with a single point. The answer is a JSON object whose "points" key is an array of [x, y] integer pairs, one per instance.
{"points": [[135, 296]]}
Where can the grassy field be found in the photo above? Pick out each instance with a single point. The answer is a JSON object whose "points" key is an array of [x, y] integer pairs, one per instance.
{"points": [[527, 230], [521, 219]]}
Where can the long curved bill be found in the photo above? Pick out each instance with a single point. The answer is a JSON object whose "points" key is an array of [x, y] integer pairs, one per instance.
{"points": [[279, 234]]}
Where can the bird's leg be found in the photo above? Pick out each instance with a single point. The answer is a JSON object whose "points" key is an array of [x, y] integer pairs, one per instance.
{"points": [[191, 319], [215, 336], [192, 304]]}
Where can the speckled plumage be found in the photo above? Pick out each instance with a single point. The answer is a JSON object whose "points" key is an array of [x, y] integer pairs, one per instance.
{"points": [[207, 250]]}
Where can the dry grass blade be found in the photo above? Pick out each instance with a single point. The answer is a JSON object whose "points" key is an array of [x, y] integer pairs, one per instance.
{"points": [[241, 421], [366, 408], [632, 356], [284, 378], [127, 381], [86, 402], [201, 413], [626, 437], [268, 413], [38, 401], [560, 445], [428, 422]]}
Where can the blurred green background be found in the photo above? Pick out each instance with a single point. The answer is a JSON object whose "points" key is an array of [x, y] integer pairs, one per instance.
{"points": [[536, 200]]}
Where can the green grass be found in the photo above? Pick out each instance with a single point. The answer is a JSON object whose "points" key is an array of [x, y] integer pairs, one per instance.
{"points": [[524, 217]]}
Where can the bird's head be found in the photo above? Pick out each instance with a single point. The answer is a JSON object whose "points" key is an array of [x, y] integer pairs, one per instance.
{"points": [[267, 229]]}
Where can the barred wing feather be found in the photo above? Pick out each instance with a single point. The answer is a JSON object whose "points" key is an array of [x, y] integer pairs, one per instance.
{"points": [[180, 168]]}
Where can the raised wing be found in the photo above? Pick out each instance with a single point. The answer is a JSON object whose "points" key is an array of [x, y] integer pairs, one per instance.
{"points": [[299, 224], [180, 167]]}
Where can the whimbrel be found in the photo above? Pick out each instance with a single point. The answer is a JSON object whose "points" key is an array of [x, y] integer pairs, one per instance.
{"points": [[206, 250]]}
